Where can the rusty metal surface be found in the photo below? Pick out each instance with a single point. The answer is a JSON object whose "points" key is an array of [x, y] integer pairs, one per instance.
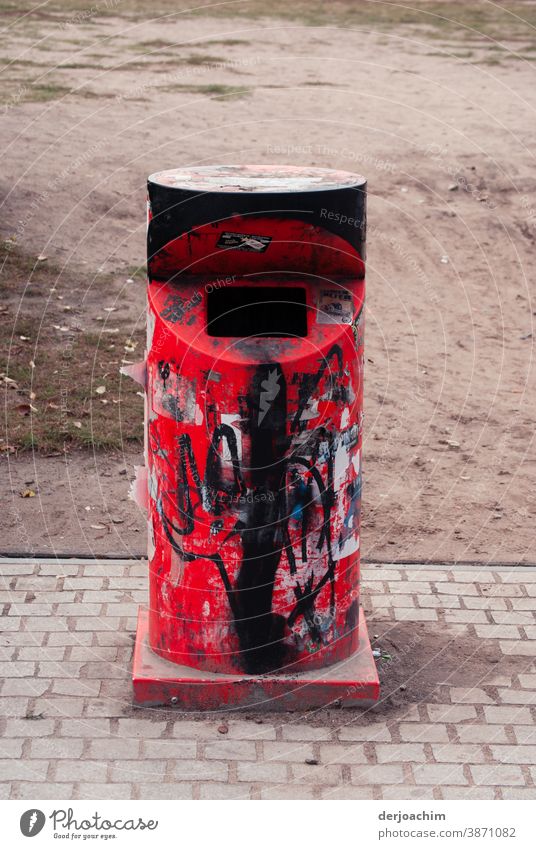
{"points": [[352, 682], [252, 482], [255, 178]]}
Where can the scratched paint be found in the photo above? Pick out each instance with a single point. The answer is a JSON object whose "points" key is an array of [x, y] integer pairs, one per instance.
{"points": [[254, 453]]}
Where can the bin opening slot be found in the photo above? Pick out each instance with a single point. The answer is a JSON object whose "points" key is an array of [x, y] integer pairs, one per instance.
{"points": [[257, 311]]}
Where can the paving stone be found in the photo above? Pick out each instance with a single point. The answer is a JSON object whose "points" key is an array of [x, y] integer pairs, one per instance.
{"points": [[436, 775], [400, 753], [81, 770], [470, 695], [122, 771], [471, 617], [316, 774], [185, 770], [514, 754], [53, 747], [408, 791], [415, 615], [104, 791], [525, 734], [32, 687], [144, 728], [73, 666], [423, 732], [169, 749], [116, 749], [43, 790], [519, 793], [305, 733], [378, 774], [468, 792], [451, 713], [270, 771], [288, 751], [231, 750], [495, 632], [23, 770], [46, 653], [528, 681], [508, 714], [452, 603], [480, 733], [173, 790], [347, 792], [85, 728], [14, 706], [10, 748], [458, 753], [497, 775], [514, 617], [59, 706], [483, 603], [72, 687], [217, 790], [517, 697], [342, 754], [29, 727], [379, 731]]}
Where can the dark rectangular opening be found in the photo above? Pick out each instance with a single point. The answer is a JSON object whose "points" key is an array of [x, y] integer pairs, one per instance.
{"points": [[257, 311]]}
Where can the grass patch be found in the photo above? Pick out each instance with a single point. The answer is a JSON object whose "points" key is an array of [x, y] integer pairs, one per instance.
{"points": [[215, 91], [53, 405], [21, 91], [226, 42], [202, 59], [497, 20], [136, 272], [154, 44]]}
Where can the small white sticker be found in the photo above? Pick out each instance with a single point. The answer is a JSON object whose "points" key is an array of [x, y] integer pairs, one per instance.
{"points": [[335, 306]]}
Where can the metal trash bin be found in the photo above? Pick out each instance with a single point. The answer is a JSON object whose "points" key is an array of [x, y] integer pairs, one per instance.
{"points": [[252, 483]]}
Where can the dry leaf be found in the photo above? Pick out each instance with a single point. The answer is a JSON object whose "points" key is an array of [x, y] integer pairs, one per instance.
{"points": [[100, 390], [26, 409], [42, 258], [77, 424], [98, 527]]}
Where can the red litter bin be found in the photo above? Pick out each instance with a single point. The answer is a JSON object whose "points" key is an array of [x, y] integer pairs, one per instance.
{"points": [[254, 409]]}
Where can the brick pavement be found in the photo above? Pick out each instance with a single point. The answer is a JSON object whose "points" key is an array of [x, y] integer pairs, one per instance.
{"points": [[69, 729]]}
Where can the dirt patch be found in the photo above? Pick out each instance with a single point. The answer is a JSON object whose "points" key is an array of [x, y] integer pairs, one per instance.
{"points": [[61, 352], [432, 104], [424, 663]]}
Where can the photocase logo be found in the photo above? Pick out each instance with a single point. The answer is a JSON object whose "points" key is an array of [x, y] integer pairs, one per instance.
{"points": [[31, 822], [270, 390]]}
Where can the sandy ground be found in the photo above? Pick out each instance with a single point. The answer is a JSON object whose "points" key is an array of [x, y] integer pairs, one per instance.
{"points": [[443, 130]]}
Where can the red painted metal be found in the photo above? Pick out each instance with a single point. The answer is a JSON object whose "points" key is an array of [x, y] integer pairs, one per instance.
{"points": [[349, 683], [253, 442]]}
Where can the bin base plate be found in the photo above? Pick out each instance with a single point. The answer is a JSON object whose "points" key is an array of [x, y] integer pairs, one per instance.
{"points": [[349, 683]]}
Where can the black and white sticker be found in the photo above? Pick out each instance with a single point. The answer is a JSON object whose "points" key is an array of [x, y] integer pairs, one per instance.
{"points": [[335, 306], [244, 242]]}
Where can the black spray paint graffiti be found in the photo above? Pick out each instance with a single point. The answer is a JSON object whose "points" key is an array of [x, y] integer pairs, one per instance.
{"points": [[279, 492]]}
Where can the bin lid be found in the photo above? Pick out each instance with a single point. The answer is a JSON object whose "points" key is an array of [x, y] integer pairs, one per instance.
{"points": [[260, 179]]}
